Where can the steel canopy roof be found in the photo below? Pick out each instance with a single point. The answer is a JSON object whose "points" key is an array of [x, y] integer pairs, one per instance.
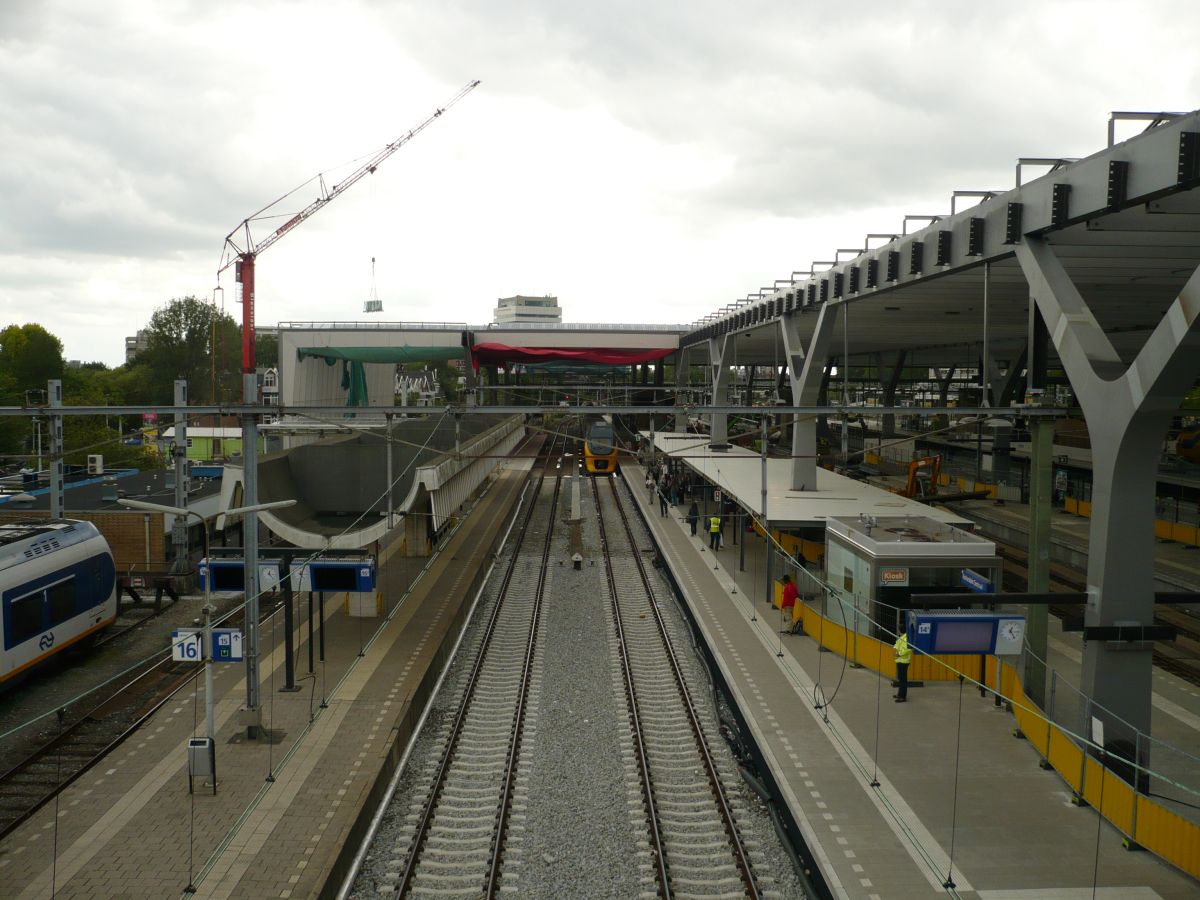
{"points": [[1125, 223]]}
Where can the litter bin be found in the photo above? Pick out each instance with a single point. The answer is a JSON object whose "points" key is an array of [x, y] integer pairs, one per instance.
{"points": [[202, 761]]}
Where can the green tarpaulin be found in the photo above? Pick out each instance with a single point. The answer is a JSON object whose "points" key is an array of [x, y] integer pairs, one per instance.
{"points": [[383, 354]]}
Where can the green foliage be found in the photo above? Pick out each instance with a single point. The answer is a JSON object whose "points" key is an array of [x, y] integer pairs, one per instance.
{"points": [[96, 434], [29, 357], [447, 377], [183, 337], [266, 351]]}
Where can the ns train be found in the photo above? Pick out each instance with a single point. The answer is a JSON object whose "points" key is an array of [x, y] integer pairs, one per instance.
{"points": [[1187, 445], [600, 449], [57, 590]]}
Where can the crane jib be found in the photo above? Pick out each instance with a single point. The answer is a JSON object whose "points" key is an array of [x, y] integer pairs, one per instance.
{"points": [[247, 256]]}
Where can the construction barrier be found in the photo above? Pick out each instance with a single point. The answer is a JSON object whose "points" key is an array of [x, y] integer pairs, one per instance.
{"points": [[1143, 821]]}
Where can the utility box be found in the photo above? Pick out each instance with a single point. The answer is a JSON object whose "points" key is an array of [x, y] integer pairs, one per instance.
{"points": [[95, 464], [202, 761]]}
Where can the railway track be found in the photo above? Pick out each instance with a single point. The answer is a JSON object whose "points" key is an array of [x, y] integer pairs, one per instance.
{"points": [[1180, 657], [691, 827], [461, 829], [73, 747]]}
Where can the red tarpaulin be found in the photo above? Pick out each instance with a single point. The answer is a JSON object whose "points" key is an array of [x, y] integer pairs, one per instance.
{"points": [[502, 354]]}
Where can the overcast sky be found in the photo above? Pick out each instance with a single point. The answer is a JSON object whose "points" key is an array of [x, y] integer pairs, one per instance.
{"points": [[644, 161]]}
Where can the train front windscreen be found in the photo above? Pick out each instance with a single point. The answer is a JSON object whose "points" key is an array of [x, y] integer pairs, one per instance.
{"points": [[600, 439]]}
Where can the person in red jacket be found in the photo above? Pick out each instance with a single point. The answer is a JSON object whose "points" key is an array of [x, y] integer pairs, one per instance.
{"points": [[789, 599]]}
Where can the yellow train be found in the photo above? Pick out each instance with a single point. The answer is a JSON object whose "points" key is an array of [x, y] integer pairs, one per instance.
{"points": [[1187, 445], [600, 449]]}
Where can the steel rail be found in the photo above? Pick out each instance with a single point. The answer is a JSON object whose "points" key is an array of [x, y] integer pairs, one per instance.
{"points": [[94, 716], [514, 752], [731, 832], [439, 783], [657, 847], [61, 742]]}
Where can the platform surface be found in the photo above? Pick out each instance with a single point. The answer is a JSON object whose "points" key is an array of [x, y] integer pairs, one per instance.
{"points": [[999, 826]]}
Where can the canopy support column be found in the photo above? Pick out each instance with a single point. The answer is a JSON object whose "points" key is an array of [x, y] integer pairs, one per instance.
{"points": [[806, 369], [1128, 409], [720, 351]]}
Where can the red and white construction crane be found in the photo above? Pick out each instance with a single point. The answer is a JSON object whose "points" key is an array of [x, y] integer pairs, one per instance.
{"points": [[241, 249]]}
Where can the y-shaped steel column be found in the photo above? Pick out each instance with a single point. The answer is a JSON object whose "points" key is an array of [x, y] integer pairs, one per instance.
{"points": [[1003, 386], [806, 369], [1127, 411], [720, 355]]}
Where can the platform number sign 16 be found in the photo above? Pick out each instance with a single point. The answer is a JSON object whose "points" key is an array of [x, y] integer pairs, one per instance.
{"points": [[185, 646]]}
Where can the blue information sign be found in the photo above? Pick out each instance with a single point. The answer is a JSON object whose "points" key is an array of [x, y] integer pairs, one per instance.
{"points": [[227, 645], [977, 582]]}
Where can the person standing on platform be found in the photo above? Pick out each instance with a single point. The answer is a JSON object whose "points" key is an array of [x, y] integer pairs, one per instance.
{"points": [[903, 658], [788, 603], [662, 501], [714, 533], [693, 517]]}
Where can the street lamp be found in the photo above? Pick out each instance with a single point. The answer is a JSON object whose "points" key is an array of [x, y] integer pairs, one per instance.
{"points": [[208, 608]]}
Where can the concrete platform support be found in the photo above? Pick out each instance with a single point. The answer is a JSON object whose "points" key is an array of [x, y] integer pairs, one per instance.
{"points": [[945, 379], [890, 367], [681, 397], [807, 370], [416, 535], [823, 399], [1003, 385], [1038, 578], [471, 387], [1128, 410], [720, 355]]}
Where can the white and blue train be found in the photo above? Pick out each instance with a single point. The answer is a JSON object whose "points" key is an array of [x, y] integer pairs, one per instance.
{"points": [[57, 589]]}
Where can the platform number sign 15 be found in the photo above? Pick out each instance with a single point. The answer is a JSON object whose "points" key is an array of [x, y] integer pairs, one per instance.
{"points": [[185, 646]]}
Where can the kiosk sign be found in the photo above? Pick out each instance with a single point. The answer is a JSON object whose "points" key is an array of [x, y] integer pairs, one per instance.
{"points": [[894, 576], [977, 582]]}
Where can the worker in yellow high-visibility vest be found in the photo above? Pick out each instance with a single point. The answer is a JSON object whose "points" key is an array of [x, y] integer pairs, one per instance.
{"points": [[903, 658], [714, 533]]}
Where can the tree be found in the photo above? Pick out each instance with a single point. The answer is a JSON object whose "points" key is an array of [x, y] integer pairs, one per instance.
{"points": [[266, 351], [29, 357], [447, 379], [181, 338], [85, 435]]}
